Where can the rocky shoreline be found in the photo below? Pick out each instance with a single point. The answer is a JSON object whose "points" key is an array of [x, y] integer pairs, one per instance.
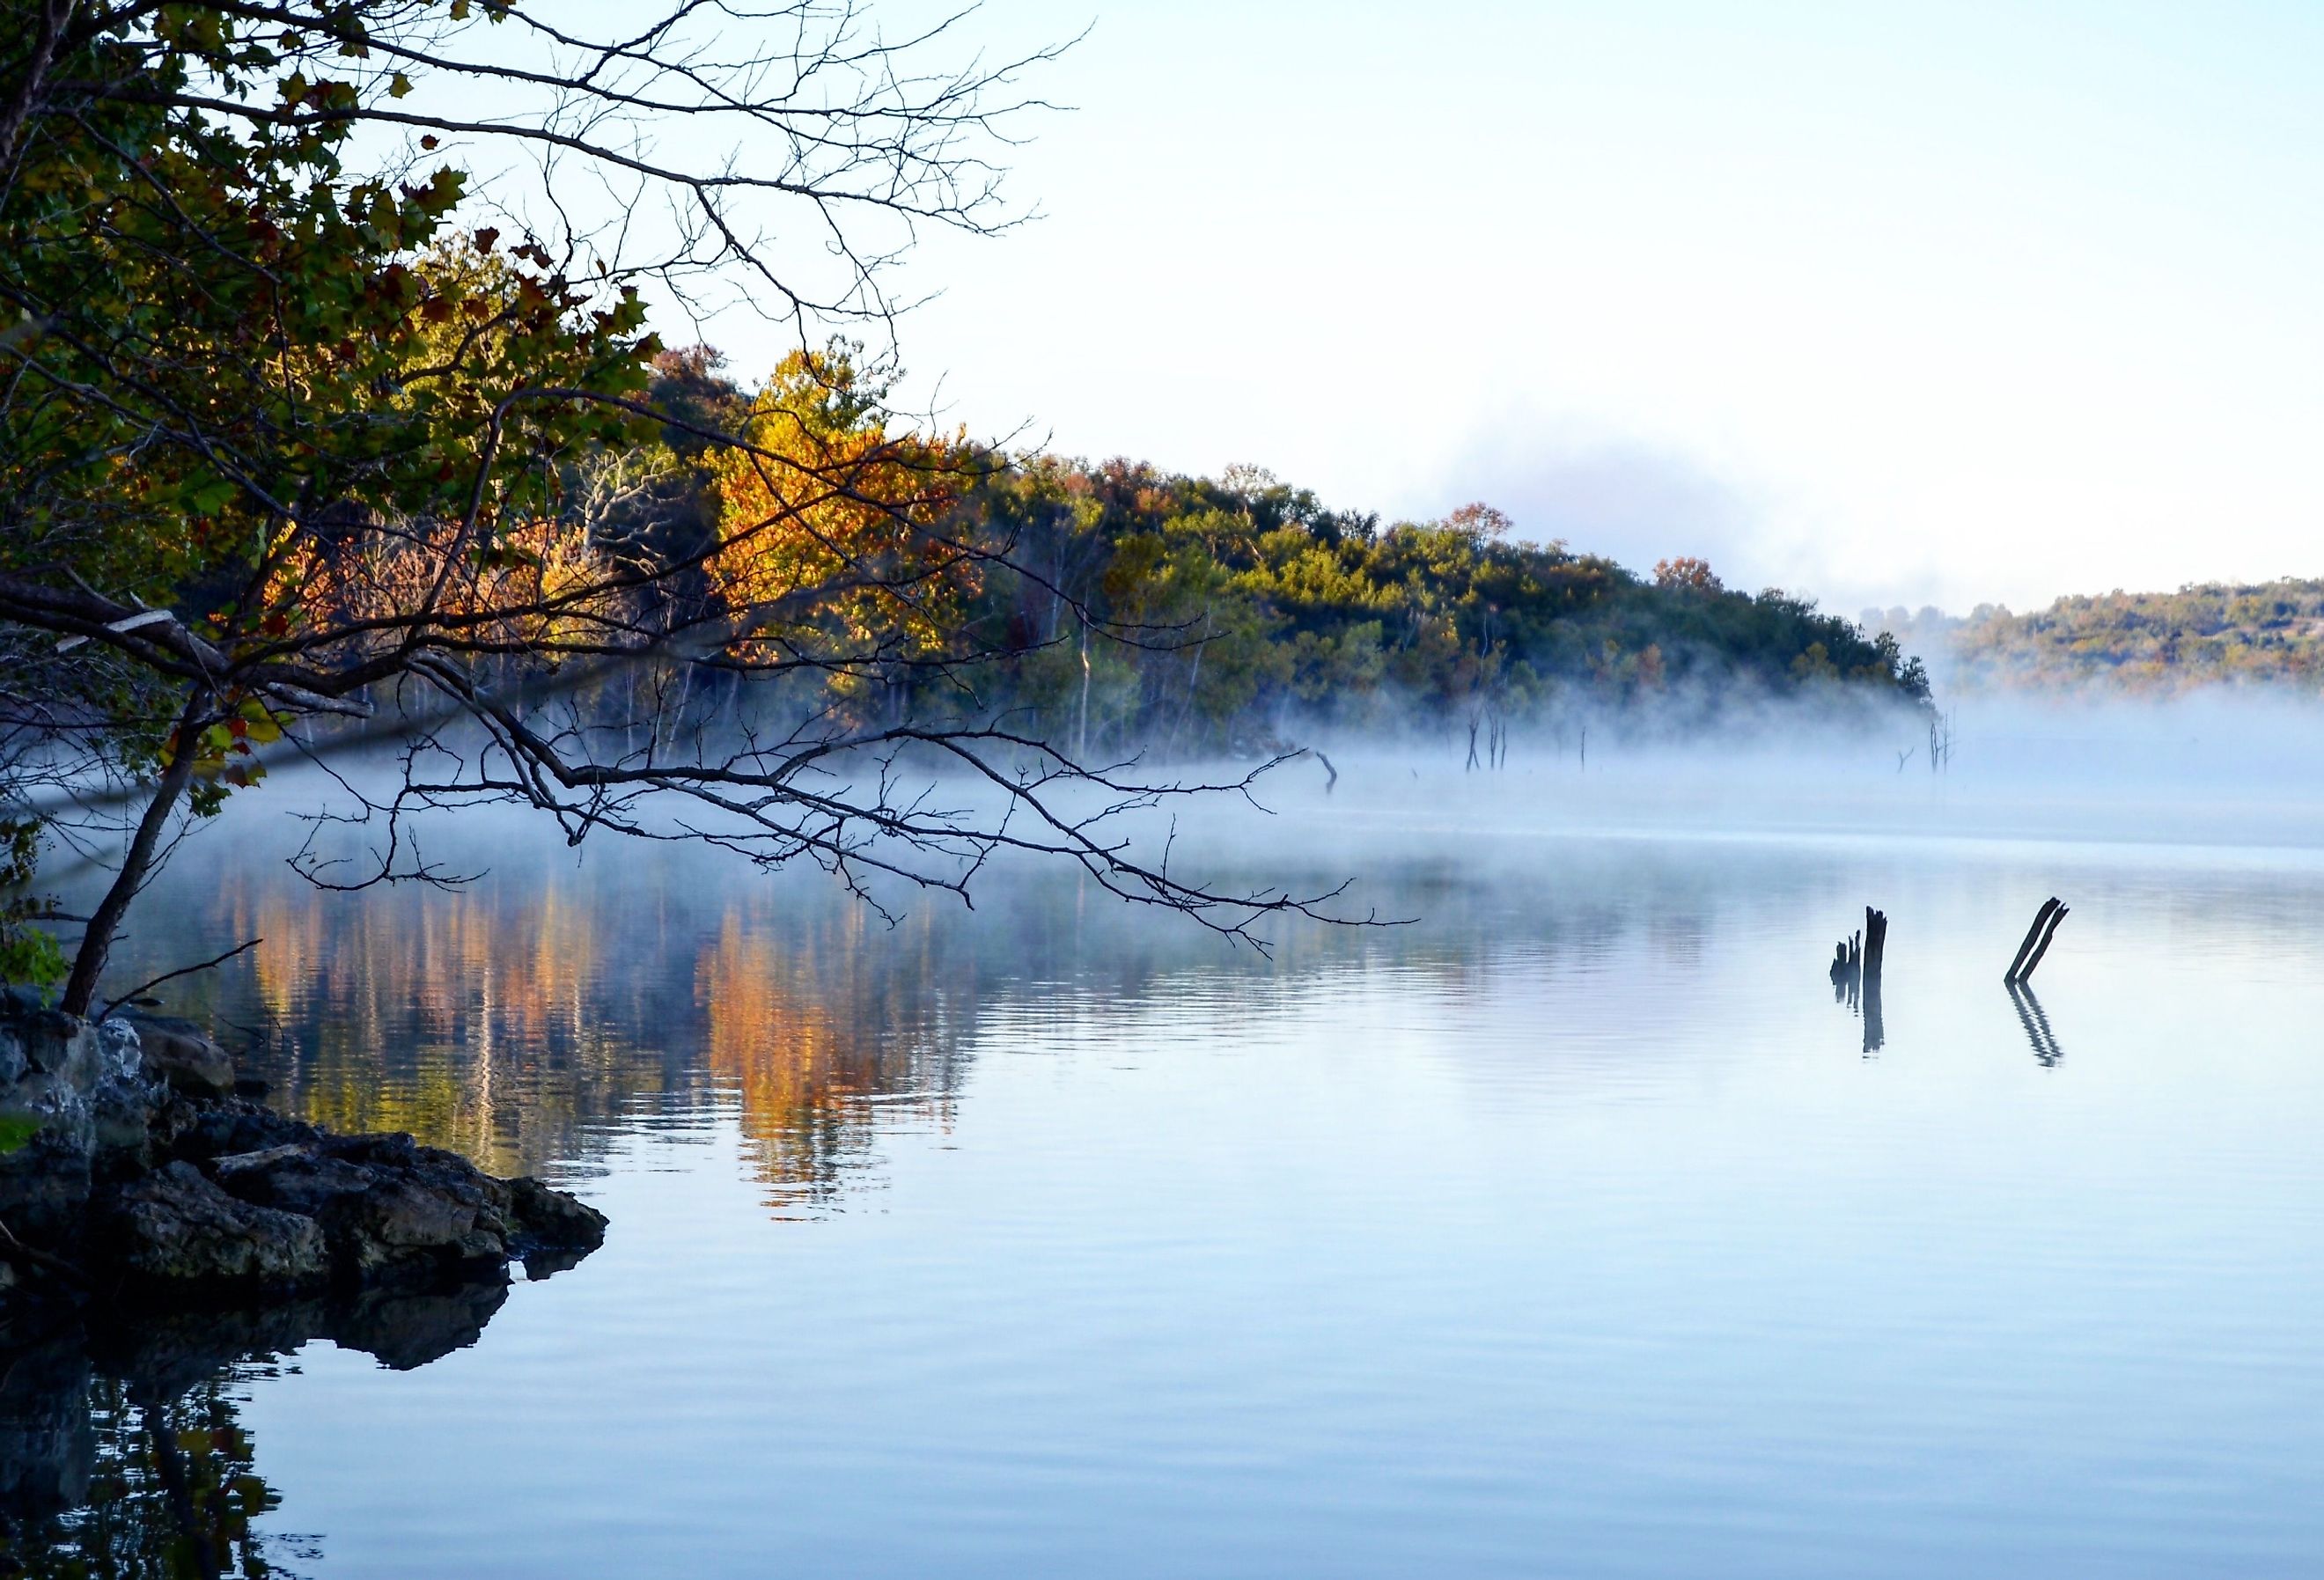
{"points": [[136, 1170]]}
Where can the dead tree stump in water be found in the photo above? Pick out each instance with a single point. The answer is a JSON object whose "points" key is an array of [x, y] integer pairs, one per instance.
{"points": [[1875, 950], [2026, 977], [2037, 941], [1856, 962]]}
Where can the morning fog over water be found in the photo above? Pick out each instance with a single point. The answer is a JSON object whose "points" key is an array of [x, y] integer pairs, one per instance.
{"points": [[1727, 1089], [1581, 1226]]}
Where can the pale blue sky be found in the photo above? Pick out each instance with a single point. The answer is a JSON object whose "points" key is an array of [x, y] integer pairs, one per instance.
{"points": [[1879, 302]]}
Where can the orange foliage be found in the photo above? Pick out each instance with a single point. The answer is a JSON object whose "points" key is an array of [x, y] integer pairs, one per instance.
{"points": [[828, 499]]}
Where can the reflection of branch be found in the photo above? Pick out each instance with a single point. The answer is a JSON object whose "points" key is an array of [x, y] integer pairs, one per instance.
{"points": [[141, 988], [15, 1250], [2036, 1024]]}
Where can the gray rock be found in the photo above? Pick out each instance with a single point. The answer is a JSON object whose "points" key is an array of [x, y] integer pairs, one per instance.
{"points": [[124, 1104], [174, 1227], [391, 1211], [200, 1131], [182, 1054], [132, 1159], [125, 1053], [547, 1219]]}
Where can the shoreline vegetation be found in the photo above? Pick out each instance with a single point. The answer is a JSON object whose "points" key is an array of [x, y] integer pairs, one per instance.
{"points": [[1145, 611]]}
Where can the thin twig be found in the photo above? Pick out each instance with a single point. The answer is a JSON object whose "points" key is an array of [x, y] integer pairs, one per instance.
{"points": [[141, 988]]}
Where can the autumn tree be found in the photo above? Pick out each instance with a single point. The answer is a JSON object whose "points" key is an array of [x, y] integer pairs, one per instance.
{"points": [[1686, 572], [303, 433], [821, 490]]}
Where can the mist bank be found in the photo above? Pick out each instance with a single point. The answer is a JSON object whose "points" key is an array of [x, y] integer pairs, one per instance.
{"points": [[2207, 770], [2210, 772]]}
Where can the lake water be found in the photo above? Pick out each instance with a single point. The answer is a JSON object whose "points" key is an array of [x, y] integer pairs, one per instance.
{"points": [[1572, 1230]]}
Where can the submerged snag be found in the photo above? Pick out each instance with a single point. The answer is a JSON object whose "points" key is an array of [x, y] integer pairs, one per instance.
{"points": [[2037, 941], [1855, 973], [1875, 951]]}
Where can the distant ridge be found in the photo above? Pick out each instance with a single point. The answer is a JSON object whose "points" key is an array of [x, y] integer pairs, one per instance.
{"points": [[2210, 633]]}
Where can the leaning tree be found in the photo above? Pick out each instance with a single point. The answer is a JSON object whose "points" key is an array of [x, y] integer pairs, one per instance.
{"points": [[330, 418]]}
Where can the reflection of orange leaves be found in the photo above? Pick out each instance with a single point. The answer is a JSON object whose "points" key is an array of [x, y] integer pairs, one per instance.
{"points": [[807, 1040], [462, 971], [792, 1060], [493, 1018]]}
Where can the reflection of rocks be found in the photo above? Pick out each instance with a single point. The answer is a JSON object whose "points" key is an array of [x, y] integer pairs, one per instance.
{"points": [[47, 1440], [162, 1354], [153, 1176], [120, 1449], [406, 1331]]}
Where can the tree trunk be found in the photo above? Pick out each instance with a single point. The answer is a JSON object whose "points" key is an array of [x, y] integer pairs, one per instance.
{"points": [[1081, 731], [88, 962]]}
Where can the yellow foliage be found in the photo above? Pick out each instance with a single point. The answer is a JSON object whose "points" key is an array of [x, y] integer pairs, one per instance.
{"points": [[827, 502]]}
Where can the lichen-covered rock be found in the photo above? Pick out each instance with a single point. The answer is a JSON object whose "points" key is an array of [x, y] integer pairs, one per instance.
{"points": [[175, 1228], [200, 1131], [393, 1211], [182, 1054], [122, 1106], [76, 1109]]}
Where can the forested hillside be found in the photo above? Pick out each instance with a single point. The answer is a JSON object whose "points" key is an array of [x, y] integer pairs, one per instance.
{"points": [[2213, 634], [1150, 610]]}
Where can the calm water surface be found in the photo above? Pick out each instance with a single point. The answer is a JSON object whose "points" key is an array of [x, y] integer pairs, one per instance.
{"points": [[1574, 1230]]}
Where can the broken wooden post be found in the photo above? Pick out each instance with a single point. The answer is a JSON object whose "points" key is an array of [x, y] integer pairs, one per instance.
{"points": [[2041, 949], [1856, 964], [1876, 950], [2049, 908], [1846, 970]]}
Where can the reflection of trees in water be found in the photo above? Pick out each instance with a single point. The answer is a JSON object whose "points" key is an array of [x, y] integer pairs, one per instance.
{"points": [[121, 1449], [520, 1018], [815, 1033], [171, 1489]]}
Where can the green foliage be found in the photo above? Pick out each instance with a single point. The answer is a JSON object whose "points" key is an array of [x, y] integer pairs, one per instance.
{"points": [[16, 1131], [229, 345], [1240, 602], [2211, 634], [28, 956]]}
